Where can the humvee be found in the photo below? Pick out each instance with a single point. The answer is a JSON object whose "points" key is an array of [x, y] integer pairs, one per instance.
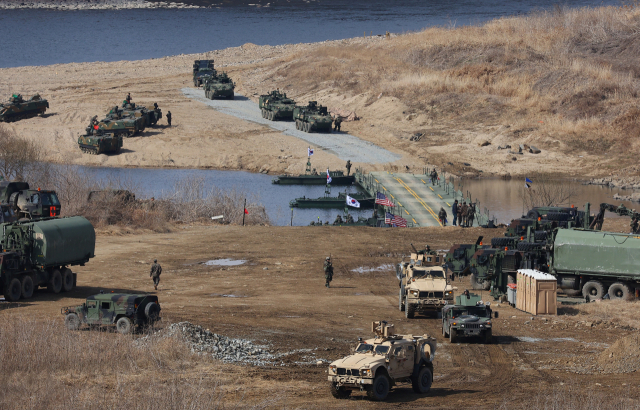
{"points": [[380, 363], [469, 317], [29, 203], [122, 310], [423, 284]]}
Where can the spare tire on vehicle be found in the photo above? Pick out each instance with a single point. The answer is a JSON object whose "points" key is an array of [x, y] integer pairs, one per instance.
{"points": [[152, 311]]}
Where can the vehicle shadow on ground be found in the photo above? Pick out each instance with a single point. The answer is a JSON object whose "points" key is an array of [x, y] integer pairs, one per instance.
{"points": [[406, 395], [5, 305], [145, 134], [505, 340], [51, 114], [240, 98], [122, 151]]}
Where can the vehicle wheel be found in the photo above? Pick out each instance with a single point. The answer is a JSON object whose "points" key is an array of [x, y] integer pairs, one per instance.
{"points": [[540, 235], [421, 382], [309, 128], [231, 97], [339, 392], [67, 280], [453, 335], [72, 321], [13, 290], [27, 287], [152, 311], [379, 390], [123, 325], [409, 310], [594, 289], [572, 292], [55, 284], [620, 291], [533, 214], [487, 337]]}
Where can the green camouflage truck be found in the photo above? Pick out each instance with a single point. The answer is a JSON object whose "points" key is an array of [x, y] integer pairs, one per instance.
{"points": [[18, 108], [202, 71], [312, 118], [276, 106], [125, 311], [469, 317], [219, 86], [29, 203], [39, 253]]}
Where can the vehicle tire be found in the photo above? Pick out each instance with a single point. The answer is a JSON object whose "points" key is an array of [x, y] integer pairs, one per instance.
{"points": [[308, 127], [27, 287], [620, 291], [453, 335], [231, 97], [558, 216], [124, 325], [421, 383], [533, 214], [67, 280], [72, 321], [409, 310], [152, 312], [487, 337], [14, 290], [55, 284], [500, 242], [572, 292], [379, 390], [540, 235], [339, 392], [594, 289]]}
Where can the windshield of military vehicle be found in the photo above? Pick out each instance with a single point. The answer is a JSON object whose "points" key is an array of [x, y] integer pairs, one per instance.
{"points": [[365, 348], [50, 199], [471, 310], [428, 273]]}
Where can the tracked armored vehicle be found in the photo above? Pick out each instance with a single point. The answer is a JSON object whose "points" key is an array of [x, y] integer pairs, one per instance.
{"points": [[219, 86], [312, 118], [469, 317], [99, 142], [151, 117], [383, 362], [276, 106], [29, 203], [124, 126], [202, 71], [18, 108]]}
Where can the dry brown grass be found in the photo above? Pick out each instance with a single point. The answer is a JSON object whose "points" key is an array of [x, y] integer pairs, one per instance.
{"points": [[616, 312]]}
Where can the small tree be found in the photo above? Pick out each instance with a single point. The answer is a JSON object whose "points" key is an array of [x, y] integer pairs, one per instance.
{"points": [[545, 191], [18, 157]]}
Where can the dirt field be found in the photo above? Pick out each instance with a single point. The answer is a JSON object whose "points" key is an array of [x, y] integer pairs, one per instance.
{"points": [[280, 299]]}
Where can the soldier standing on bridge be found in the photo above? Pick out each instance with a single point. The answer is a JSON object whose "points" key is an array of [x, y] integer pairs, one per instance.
{"points": [[434, 176], [328, 271], [471, 214], [156, 270], [348, 167], [454, 211], [465, 208]]}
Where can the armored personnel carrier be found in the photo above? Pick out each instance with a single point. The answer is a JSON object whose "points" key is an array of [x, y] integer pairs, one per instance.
{"points": [[469, 317], [383, 362], [122, 310], [151, 117], [219, 86], [124, 126], [312, 118], [276, 106], [98, 142], [18, 108], [29, 203], [202, 70]]}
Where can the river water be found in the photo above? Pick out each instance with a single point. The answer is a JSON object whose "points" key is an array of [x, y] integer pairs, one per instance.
{"points": [[43, 37]]}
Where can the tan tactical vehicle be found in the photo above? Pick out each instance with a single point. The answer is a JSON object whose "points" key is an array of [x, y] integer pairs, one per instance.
{"points": [[423, 284], [380, 363]]}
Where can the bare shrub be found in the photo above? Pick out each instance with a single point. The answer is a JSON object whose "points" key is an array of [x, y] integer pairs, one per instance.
{"points": [[18, 157], [546, 191]]}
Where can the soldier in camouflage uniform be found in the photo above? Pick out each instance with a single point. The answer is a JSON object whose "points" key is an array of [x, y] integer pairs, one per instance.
{"points": [[328, 271], [156, 270]]}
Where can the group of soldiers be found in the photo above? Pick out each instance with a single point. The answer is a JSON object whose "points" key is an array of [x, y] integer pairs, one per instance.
{"points": [[463, 214]]}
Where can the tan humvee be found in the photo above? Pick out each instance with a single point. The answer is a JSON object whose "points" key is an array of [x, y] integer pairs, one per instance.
{"points": [[380, 363]]}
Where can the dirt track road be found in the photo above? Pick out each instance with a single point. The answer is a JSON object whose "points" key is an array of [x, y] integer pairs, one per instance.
{"points": [[279, 297]]}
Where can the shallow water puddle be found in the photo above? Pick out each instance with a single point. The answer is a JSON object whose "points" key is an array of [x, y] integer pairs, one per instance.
{"points": [[225, 262]]}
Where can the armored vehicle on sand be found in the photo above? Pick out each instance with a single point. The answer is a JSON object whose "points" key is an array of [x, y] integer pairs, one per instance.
{"points": [[276, 106], [123, 126], [151, 117], [202, 70], [469, 317], [382, 362], [219, 86], [122, 310], [18, 108], [29, 203], [312, 118], [100, 143]]}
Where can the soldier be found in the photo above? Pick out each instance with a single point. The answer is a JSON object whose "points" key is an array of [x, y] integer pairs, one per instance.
{"points": [[459, 215], [128, 99], [156, 270], [465, 208], [337, 123], [434, 176], [442, 215], [328, 271], [454, 211], [634, 225], [348, 167], [471, 214], [169, 118], [349, 219], [338, 220], [155, 105], [466, 293]]}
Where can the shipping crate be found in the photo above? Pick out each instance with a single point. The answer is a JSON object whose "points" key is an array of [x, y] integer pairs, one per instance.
{"points": [[536, 292]]}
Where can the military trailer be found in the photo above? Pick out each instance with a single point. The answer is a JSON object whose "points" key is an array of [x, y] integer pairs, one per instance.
{"points": [[383, 362], [202, 70], [276, 106], [39, 253], [18, 108], [219, 86], [125, 311], [312, 118], [29, 203], [469, 317]]}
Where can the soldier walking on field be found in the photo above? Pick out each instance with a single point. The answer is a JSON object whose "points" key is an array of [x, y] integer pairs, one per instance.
{"points": [[328, 271], [169, 117], [156, 270], [348, 167]]}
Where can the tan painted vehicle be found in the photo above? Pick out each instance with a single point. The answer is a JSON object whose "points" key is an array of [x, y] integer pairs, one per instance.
{"points": [[383, 362], [423, 284]]}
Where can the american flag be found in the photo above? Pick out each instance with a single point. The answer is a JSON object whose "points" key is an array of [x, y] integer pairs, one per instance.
{"points": [[387, 218], [395, 220], [383, 200]]}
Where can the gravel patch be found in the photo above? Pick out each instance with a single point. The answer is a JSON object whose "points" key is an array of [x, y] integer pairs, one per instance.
{"points": [[343, 145]]}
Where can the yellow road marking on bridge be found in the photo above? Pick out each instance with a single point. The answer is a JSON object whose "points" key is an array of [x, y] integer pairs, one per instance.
{"points": [[448, 204], [407, 212], [420, 200], [399, 203], [414, 221], [440, 196], [391, 195], [423, 181], [377, 180], [384, 188], [431, 189]]}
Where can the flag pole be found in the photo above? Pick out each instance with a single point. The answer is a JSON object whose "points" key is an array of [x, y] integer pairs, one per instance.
{"points": [[244, 210]]}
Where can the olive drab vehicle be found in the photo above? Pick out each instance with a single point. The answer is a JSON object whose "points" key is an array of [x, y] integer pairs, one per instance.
{"points": [[40, 252], [123, 126], [219, 86], [276, 106], [125, 311], [6, 214], [383, 362], [98, 142], [151, 117], [202, 70], [312, 118], [18, 108], [469, 317], [459, 256], [29, 203], [424, 287]]}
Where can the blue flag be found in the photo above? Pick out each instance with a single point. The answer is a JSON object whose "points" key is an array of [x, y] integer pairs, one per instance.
{"points": [[527, 183]]}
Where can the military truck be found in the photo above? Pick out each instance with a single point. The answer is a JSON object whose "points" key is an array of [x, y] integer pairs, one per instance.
{"points": [[202, 70], [18, 108], [29, 203], [469, 317], [219, 86], [312, 118], [383, 362], [276, 106], [423, 285], [458, 257], [125, 311], [39, 253]]}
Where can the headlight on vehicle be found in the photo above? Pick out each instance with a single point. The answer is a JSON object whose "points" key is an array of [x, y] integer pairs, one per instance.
{"points": [[365, 372], [448, 293], [461, 325], [332, 369], [488, 324], [414, 293]]}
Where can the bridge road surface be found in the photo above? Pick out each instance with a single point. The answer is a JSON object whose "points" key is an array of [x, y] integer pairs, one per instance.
{"points": [[416, 199]]}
